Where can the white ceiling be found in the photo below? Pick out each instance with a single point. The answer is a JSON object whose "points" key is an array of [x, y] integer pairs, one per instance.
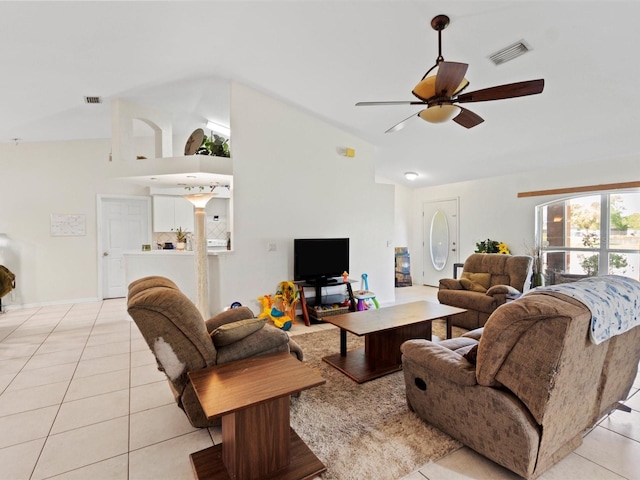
{"points": [[324, 57]]}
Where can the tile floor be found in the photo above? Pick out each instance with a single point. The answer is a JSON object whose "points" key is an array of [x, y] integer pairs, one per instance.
{"points": [[81, 398]]}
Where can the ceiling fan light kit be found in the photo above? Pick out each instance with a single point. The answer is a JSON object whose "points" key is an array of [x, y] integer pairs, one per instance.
{"points": [[440, 113], [442, 86]]}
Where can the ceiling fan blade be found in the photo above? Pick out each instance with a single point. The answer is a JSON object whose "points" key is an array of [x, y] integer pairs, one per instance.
{"points": [[448, 80], [467, 118], [399, 102], [449, 77], [400, 125], [511, 90]]}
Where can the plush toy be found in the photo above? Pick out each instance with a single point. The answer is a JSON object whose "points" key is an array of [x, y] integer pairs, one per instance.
{"points": [[281, 309]]}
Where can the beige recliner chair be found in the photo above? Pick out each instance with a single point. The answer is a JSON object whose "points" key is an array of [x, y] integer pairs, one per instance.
{"points": [[182, 340], [486, 280]]}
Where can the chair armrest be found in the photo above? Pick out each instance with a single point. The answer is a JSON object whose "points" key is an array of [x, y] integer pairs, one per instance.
{"points": [[440, 361], [266, 340], [228, 316], [450, 284], [235, 331], [503, 290]]}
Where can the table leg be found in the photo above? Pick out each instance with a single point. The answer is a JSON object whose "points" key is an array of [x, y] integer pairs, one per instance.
{"points": [[449, 329], [303, 304], [343, 343]]}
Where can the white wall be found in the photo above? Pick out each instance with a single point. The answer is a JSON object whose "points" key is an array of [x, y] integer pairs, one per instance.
{"points": [[290, 182], [490, 208], [39, 179]]}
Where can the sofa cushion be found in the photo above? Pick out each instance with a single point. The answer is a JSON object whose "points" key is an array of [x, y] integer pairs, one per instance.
{"points": [[468, 299], [232, 332], [473, 286], [482, 279]]}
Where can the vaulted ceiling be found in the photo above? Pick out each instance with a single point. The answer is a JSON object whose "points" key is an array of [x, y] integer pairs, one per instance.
{"points": [[323, 57]]}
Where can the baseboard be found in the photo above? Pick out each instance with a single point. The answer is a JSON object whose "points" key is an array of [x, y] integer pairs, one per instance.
{"points": [[22, 306]]}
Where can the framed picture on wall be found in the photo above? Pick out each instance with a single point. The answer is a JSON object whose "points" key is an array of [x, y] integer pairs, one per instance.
{"points": [[68, 225]]}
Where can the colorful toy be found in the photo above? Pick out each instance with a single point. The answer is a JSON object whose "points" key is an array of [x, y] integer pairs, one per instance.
{"points": [[281, 309], [366, 298]]}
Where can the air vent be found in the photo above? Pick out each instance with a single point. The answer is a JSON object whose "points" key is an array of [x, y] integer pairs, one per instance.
{"points": [[509, 53], [92, 100]]}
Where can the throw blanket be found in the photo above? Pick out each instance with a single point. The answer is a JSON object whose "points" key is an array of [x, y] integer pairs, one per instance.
{"points": [[614, 302]]}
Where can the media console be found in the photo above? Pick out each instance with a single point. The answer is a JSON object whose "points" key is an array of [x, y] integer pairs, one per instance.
{"points": [[318, 286]]}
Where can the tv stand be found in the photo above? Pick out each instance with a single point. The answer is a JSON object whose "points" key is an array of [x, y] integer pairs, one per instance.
{"points": [[330, 282]]}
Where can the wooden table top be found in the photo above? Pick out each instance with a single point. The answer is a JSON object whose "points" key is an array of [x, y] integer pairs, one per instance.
{"points": [[232, 386], [389, 318]]}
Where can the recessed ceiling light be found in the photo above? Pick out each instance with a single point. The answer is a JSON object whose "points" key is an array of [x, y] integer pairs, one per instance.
{"points": [[410, 175]]}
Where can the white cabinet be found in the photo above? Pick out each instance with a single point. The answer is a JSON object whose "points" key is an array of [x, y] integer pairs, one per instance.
{"points": [[170, 212]]}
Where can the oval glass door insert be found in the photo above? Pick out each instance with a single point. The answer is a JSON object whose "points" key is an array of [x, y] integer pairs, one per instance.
{"points": [[439, 240]]}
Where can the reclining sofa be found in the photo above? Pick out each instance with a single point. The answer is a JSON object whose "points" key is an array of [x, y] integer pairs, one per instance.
{"points": [[524, 389], [182, 340]]}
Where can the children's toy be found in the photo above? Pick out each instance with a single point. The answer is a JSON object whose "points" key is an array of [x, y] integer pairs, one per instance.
{"points": [[281, 309], [366, 298]]}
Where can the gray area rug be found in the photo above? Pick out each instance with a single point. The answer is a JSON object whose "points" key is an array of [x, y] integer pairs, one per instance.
{"points": [[361, 431]]}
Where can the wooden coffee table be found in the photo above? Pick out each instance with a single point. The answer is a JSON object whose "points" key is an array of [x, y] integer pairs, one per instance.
{"points": [[252, 397], [384, 329]]}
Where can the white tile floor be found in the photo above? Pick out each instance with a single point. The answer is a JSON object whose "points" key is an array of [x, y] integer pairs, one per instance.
{"points": [[81, 398]]}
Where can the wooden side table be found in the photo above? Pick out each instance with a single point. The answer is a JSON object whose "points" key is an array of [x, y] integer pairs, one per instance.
{"points": [[252, 396]]}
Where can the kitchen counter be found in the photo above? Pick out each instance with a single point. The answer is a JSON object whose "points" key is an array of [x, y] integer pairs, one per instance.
{"points": [[189, 253], [179, 266]]}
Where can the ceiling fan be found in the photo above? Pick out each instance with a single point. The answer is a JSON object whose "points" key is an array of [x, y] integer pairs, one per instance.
{"points": [[440, 90]]}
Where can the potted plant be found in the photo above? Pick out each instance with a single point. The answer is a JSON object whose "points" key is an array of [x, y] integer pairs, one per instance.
{"points": [[181, 238], [492, 246], [214, 145]]}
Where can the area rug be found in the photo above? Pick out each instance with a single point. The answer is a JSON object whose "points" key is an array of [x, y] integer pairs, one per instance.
{"points": [[361, 430]]}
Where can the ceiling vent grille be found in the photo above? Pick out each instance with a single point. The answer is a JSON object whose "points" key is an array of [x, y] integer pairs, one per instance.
{"points": [[509, 53], [92, 100]]}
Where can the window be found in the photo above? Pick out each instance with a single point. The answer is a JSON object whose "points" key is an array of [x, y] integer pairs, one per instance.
{"points": [[590, 235]]}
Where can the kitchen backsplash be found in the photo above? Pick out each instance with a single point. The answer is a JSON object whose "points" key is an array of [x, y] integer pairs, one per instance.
{"points": [[216, 229]]}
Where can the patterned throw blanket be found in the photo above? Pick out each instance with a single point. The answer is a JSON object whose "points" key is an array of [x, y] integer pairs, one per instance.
{"points": [[614, 302]]}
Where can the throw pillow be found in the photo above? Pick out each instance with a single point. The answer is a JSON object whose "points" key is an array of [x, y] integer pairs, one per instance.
{"points": [[469, 285], [232, 332], [472, 355], [483, 279]]}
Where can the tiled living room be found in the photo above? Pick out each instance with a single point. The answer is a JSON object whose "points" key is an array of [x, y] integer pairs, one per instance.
{"points": [[82, 398]]}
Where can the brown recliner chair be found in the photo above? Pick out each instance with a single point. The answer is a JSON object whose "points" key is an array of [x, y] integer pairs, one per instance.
{"points": [[535, 385], [182, 340], [486, 280]]}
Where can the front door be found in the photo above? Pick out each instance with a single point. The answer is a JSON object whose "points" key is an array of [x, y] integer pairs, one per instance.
{"points": [[125, 226], [440, 240]]}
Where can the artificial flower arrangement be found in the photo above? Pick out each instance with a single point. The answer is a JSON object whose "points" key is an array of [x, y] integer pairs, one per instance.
{"points": [[492, 246]]}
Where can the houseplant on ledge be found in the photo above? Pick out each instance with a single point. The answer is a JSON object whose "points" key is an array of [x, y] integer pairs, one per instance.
{"points": [[214, 145], [181, 238], [492, 246]]}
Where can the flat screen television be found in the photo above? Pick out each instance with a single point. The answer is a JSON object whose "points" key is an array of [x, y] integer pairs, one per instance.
{"points": [[317, 260]]}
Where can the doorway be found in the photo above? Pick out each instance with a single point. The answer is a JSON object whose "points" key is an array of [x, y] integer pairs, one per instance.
{"points": [[124, 224], [440, 240]]}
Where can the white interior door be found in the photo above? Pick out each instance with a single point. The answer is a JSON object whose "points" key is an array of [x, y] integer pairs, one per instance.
{"points": [[125, 226], [440, 240]]}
